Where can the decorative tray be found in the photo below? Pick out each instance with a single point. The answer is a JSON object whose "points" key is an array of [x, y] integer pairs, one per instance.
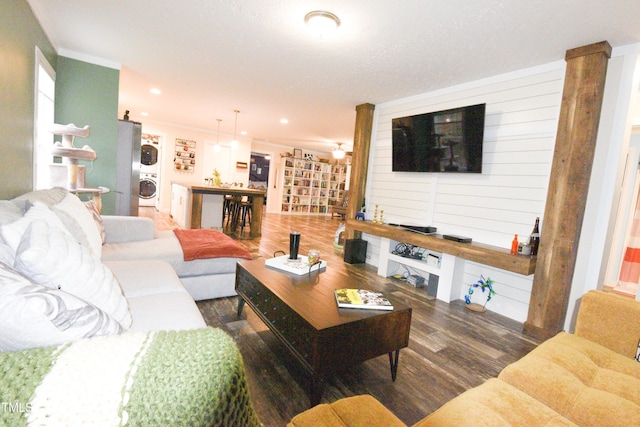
{"points": [[297, 266]]}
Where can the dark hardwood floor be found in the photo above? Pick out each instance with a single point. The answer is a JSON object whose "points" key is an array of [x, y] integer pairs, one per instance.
{"points": [[451, 348]]}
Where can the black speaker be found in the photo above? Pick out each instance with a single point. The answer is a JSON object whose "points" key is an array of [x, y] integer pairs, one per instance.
{"points": [[355, 251]]}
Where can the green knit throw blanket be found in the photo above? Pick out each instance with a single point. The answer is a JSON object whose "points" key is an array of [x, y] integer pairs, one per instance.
{"points": [[168, 378]]}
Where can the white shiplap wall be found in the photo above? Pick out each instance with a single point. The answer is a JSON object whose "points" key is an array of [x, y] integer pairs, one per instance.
{"points": [[520, 126]]}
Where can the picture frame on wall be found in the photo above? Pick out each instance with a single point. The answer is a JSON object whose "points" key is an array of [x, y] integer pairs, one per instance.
{"points": [[297, 153]]}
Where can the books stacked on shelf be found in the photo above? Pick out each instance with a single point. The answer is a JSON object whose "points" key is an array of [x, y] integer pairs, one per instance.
{"points": [[362, 298]]}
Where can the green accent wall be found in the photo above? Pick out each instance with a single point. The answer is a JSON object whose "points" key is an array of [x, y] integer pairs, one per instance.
{"points": [[87, 94], [20, 33]]}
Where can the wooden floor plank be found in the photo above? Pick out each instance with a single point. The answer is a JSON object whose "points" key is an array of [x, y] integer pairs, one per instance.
{"points": [[451, 348]]}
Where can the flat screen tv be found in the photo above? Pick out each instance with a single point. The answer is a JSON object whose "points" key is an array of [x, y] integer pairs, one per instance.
{"points": [[441, 141]]}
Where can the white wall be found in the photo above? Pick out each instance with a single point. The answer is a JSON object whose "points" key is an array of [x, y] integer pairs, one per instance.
{"points": [[204, 166], [520, 127], [521, 123]]}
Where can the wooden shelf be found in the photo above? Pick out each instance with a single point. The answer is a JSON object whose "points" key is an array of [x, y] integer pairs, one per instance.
{"points": [[478, 252]]}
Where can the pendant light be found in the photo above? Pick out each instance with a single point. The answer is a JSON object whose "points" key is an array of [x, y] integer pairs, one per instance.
{"points": [[234, 143], [339, 153], [217, 146]]}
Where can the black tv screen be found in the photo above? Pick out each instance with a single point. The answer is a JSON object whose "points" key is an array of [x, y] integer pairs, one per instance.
{"points": [[441, 141]]}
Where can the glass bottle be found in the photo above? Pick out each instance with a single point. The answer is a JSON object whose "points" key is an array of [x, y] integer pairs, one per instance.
{"points": [[534, 239]]}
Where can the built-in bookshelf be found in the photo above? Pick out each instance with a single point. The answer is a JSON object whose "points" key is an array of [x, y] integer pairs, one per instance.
{"points": [[310, 187]]}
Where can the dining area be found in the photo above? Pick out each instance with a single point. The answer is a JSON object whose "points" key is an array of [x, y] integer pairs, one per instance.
{"points": [[227, 208]]}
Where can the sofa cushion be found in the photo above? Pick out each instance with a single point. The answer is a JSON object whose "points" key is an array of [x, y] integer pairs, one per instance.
{"points": [[50, 257], [599, 321], [139, 279], [584, 381], [33, 315], [166, 247], [171, 311], [355, 411], [494, 403]]}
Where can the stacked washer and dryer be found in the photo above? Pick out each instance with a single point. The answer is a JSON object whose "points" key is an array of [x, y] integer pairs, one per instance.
{"points": [[149, 169]]}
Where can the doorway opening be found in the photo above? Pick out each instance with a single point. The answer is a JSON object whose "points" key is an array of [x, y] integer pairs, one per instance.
{"points": [[259, 172]]}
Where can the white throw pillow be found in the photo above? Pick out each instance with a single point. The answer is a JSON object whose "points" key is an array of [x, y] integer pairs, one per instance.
{"points": [[95, 214], [12, 233], [49, 256], [32, 315], [79, 222]]}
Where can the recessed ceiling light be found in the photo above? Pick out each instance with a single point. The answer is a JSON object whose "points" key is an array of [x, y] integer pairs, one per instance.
{"points": [[144, 113], [284, 121], [243, 132], [155, 91], [321, 22]]}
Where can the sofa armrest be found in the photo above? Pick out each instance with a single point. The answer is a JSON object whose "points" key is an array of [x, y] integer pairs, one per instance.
{"points": [[127, 228], [610, 320]]}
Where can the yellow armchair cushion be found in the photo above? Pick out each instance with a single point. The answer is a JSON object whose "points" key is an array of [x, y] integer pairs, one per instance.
{"points": [[494, 404], [610, 320], [355, 411], [587, 383]]}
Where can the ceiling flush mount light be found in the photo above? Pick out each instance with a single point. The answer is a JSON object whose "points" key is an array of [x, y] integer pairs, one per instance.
{"points": [[217, 146], [321, 22], [234, 143], [339, 153]]}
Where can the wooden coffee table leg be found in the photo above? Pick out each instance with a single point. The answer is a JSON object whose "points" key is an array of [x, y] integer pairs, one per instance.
{"points": [[393, 361], [240, 305], [317, 389]]}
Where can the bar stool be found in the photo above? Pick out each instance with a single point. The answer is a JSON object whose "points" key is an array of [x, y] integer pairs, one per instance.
{"points": [[245, 210], [227, 207]]}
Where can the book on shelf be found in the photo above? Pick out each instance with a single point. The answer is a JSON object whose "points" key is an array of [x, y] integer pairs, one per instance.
{"points": [[362, 298]]}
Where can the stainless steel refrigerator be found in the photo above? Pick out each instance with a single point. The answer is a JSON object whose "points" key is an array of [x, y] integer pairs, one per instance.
{"points": [[128, 168]]}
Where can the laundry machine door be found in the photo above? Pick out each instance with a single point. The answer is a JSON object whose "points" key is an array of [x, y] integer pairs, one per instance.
{"points": [[148, 155], [147, 188], [148, 191]]}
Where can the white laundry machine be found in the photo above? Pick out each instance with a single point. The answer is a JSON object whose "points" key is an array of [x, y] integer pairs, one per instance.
{"points": [[148, 189], [149, 154], [149, 170]]}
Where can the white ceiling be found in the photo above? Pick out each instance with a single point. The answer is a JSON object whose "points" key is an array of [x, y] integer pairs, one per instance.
{"points": [[211, 57]]}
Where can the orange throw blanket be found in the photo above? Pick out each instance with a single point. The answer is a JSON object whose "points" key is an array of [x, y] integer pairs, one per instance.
{"points": [[205, 243]]}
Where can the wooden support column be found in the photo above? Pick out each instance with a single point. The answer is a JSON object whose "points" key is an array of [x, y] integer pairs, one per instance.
{"points": [[568, 187], [359, 163]]}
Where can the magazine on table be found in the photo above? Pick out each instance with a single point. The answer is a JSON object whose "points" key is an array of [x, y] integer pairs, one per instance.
{"points": [[362, 298]]}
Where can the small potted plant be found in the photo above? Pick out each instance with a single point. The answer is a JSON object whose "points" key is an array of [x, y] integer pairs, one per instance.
{"points": [[482, 292], [216, 178]]}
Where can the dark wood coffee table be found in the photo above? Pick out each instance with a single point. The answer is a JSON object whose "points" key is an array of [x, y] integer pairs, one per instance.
{"points": [[302, 312]]}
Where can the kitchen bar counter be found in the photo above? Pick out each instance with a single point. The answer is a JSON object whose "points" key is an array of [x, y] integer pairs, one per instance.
{"points": [[198, 192]]}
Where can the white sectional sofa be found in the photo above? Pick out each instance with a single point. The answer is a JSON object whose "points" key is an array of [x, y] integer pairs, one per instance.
{"points": [[52, 238], [92, 332], [134, 238]]}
